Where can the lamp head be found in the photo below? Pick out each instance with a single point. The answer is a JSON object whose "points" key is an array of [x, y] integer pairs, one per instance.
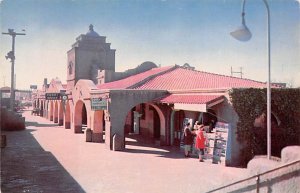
{"points": [[242, 33]]}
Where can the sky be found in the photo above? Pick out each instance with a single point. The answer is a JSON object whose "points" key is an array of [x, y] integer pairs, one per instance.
{"points": [[166, 32]]}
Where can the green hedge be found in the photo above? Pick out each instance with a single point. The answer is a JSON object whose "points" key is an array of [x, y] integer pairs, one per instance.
{"points": [[250, 104]]}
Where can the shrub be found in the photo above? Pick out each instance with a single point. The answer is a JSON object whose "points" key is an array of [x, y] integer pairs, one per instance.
{"points": [[251, 103]]}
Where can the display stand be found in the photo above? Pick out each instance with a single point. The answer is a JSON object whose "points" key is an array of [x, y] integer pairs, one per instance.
{"points": [[220, 143]]}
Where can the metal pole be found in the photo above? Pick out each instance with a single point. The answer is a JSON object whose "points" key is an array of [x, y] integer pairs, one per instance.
{"points": [[268, 85], [11, 56], [12, 75], [257, 183]]}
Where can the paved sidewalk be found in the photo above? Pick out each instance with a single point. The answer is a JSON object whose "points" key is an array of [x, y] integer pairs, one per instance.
{"points": [[48, 158]]}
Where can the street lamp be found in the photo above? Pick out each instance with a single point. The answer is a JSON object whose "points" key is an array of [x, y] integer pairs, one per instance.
{"points": [[244, 34], [11, 55]]}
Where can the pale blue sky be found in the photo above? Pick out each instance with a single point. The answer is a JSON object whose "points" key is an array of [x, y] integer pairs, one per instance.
{"points": [[162, 31]]}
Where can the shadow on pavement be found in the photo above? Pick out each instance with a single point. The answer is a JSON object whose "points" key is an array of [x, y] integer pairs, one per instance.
{"points": [[27, 167], [165, 153], [36, 124], [148, 146]]}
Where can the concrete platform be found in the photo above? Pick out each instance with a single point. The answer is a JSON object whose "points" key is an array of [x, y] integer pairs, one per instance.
{"points": [[48, 158]]}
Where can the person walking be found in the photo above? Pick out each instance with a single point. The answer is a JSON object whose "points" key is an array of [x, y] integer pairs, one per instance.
{"points": [[200, 142], [188, 140]]}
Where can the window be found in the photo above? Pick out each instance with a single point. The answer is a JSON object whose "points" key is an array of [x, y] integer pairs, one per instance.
{"points": [[70, 68]]}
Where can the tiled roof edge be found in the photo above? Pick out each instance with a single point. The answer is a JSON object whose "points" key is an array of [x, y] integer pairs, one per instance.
{"points": [[225, 75], [138, 84]]}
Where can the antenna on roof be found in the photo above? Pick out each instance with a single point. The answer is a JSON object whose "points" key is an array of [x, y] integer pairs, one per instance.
{"points": [[237, 72]]}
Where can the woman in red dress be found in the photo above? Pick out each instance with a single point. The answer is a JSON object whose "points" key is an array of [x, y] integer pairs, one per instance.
{"points": [[200, 142]]}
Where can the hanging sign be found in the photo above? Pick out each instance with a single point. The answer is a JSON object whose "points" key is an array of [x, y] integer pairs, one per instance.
{"points": [[98, 104], [52, 96], [33, 86]]}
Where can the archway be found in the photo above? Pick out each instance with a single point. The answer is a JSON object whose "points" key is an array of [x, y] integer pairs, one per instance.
{"points": [[261, 121], [61, 113], [55, 112], [209, 119], [42, 109], [156, 124], [67, 116], [80, 117], [145, 125], [38, 103], [34, 103], [51, 111]]}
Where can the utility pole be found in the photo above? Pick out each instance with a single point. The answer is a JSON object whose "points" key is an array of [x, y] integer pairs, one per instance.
{"points": [[11, 55]]}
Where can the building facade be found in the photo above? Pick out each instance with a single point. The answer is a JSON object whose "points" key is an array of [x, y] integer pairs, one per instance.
{"points": [[148, 103]]}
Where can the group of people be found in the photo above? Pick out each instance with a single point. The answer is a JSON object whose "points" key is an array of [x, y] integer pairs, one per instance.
{"points": [[189, 135]]}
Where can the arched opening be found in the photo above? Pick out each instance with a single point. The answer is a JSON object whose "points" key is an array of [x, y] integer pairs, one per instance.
{"points": [[261, 121], [209, 119], [145, 125], [42, 109], [56, 112], [34, 104], [38, 103], [84, 116], [80, 117], [61, 113], [68, 116], [51, 111], [99, 125], [277, 134], [156, 124]]}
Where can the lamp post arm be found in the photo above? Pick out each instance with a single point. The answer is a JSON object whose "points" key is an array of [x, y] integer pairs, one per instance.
{"points": [[243, 12]]}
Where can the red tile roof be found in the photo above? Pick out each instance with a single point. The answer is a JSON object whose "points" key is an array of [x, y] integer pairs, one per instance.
{"points": [[132, 80], [178, 78], [184, 79], [190, 98]]}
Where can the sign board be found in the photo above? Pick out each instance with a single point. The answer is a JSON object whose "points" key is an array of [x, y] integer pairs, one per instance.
{"points": [[52, 96], [220, 143], [33, 86], [98, 104]]}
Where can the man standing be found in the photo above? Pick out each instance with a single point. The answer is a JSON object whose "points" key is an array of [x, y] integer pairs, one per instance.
{"points": [[188, 140]]}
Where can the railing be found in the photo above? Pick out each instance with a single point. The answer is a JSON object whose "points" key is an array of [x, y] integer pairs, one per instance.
{"points": [[256, 177]]}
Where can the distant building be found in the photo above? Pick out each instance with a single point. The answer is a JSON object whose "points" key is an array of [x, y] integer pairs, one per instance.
{"points": [[5, 97]]}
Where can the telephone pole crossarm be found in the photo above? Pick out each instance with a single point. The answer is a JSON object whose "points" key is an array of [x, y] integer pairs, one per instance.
{"points": [[11, 56]]}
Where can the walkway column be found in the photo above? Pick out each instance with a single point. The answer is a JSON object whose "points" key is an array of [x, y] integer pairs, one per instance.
{"points": [[114, 130], [97, 126]]}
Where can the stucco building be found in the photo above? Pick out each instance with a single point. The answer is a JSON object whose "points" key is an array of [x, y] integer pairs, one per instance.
{"points": [[149, 103]]}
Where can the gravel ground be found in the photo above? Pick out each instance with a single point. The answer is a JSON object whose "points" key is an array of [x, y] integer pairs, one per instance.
{"points": [[48, 158]]}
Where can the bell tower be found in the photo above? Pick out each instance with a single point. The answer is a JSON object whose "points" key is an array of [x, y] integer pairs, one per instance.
{"points": [[89, 54]]}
